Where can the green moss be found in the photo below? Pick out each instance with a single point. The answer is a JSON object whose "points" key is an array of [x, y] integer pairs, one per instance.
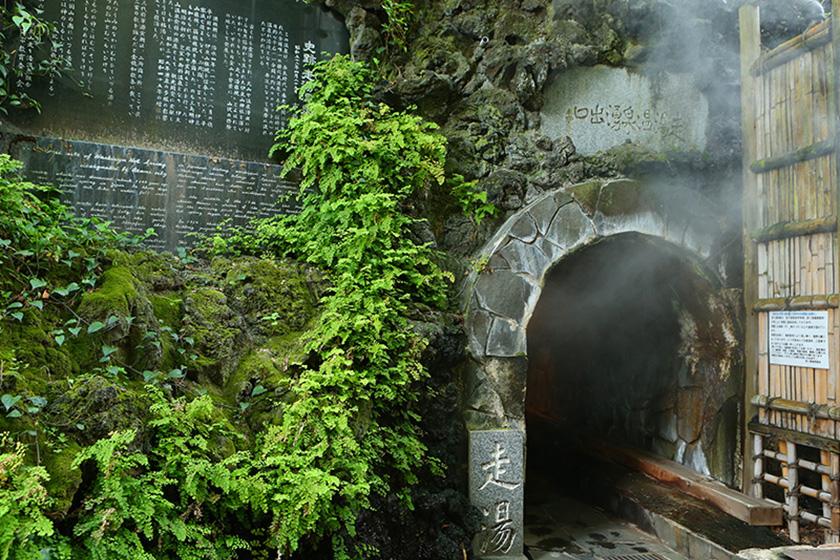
{"points": [[64, 479], [168, 308], [116, 292], [272, 295], [34, 351], [217, 332], [267, 365]]}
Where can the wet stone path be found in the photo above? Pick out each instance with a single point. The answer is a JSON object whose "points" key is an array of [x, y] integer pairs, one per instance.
{"points": [[567, 529]]}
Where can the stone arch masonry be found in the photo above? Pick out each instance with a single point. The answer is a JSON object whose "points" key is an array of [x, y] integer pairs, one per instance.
{"points": [[502, 292]]}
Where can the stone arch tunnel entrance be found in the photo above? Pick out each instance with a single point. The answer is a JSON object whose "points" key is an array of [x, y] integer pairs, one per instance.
{"points": [[596, 320], [628, 345]]}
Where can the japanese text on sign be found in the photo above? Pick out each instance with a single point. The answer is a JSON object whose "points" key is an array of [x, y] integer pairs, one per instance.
{"points": [[496, 489], [799, 339]]}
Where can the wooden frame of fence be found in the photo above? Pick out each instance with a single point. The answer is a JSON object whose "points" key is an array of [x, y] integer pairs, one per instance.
{"points": [[791, 261]]}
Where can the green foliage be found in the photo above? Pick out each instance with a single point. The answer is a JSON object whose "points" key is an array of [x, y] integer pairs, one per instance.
{"points": [[398, 18], [25, 36], [351, 429], [25, 532], [41, 237], [186, 483], [171, 501]]}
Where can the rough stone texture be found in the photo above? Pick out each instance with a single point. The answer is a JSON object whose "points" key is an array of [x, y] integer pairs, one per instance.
{"points": [[603, 107], [502, 293], [497, 484]]}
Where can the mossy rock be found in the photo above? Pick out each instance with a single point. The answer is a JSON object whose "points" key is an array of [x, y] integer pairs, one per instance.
{"points": [[272, 295], [34, 351], [586, 194], [94, 407], [218, 333], [268, 365], [122, 296], [64, 479]]}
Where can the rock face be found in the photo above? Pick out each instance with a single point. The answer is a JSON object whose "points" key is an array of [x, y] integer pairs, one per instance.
{"points": [[601, 107]]}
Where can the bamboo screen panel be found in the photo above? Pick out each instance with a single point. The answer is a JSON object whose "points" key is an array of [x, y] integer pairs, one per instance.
{"points": [[792, 114], [791, 263], [794, 258]]}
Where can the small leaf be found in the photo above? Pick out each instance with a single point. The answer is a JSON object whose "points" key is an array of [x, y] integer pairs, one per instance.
{"points": [[108, 350], [149, 375], [75, 330], [67, 290], [80, 427], [243, 406], [36, 283], [18, 316], [114, 370], [38, 401], [176, 374], [14, 414], [96, 326], [59, 339], [9, 400], [258, 390], [37, 304]]}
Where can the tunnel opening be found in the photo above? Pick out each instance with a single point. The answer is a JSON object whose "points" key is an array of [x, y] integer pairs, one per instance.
{"points": [[631, 344]]}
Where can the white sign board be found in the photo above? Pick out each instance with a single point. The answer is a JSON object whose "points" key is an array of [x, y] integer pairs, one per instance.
{"points": [[799, 339]]}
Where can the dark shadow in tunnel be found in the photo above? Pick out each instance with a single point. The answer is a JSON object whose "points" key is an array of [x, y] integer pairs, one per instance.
{"points": [[625, 347]]}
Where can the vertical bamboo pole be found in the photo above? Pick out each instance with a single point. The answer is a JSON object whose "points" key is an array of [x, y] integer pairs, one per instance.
{"points": [[835, 497], [825, 460], [831, 61], [792, 493], [758, 466], [750, 30]]}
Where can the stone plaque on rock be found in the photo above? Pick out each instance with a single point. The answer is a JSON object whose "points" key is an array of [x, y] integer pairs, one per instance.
{"points": [[192, 84], [497, 486], [602, 107]]}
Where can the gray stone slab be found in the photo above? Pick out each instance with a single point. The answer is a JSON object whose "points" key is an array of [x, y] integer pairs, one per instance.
{"points": [[177, 195], [602, 107], [570, 227], [503, 293], [506, 339], [497, 484], [202, 77]]}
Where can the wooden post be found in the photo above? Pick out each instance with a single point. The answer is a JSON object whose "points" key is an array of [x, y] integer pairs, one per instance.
{"points": [[750, 25], [835, 498], [792, 492], [758, 466]]}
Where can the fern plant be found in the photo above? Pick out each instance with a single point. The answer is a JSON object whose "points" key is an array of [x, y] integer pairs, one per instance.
{"points": [[351, 430], [25, 531]]}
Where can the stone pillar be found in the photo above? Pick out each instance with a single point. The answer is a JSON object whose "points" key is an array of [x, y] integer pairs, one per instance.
{"points": [[497, 489]]}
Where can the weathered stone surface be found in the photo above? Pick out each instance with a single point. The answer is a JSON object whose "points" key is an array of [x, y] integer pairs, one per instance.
{"points": [[524, 229], [503, 293], [603, 107], [690, 402], [525, 258], [484, 399], [542, 212], [497, 483], [477, 334], [570, 227], [506, 338], [508, 376]]}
